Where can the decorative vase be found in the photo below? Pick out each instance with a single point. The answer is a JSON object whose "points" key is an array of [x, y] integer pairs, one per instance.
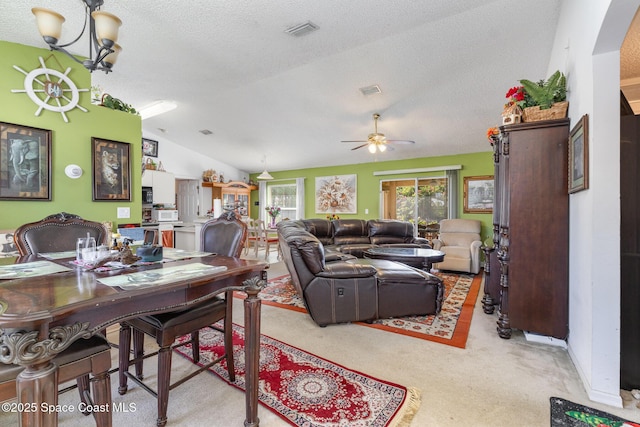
{"points": [[273, 222]]}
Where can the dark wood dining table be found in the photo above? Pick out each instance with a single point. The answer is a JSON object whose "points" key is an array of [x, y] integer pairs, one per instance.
{"points": [[41, 316]]}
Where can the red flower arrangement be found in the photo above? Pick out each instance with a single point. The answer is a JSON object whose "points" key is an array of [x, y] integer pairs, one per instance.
{"points": [[516, 94]]}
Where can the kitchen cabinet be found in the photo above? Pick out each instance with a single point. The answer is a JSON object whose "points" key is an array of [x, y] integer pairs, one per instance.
{"points": [[531, 228], [235, 195], [163, 185]]}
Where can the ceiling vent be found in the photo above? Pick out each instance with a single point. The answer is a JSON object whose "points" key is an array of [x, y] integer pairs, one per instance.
{"points": [[205, 132], [301, 29], [370, 90]]}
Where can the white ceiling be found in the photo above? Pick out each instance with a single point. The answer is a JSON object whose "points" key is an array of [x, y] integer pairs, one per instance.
{"points": [[443, 66]]}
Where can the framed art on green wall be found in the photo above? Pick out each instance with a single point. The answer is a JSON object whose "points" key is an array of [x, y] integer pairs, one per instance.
{"points": [[336, 194], [478, 194], [25, 163], [111, 165]]}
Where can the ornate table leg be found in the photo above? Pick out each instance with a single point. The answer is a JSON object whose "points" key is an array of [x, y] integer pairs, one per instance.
{"points": [[252, 304], [38, 383]]}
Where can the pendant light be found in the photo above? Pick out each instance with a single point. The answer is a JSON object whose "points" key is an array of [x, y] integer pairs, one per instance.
{"points": [[265, 175]]}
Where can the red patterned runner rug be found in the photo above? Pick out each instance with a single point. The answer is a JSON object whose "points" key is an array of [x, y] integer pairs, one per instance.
{"points": [[307, 390], [450, 326]]}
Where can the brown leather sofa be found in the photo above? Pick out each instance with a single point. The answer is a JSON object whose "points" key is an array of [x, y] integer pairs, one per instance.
{"points": [[338, 287], [355, 236]]}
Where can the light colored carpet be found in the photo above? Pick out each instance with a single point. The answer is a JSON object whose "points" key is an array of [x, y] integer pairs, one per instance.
{"points": [[493, 382]]}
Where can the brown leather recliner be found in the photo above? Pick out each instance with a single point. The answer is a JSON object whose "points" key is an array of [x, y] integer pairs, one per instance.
{"points": [[338, 287]]}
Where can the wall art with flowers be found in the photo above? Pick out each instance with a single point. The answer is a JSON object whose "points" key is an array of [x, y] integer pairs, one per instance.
{"points": [[336, 194]]}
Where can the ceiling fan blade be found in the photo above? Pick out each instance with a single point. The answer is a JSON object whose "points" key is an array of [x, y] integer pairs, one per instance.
{"points": [[361, 140], [360, 146], [400, 141]]}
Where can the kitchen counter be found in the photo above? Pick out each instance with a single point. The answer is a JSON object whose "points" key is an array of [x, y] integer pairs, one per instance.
{"points": [[185, 237]]}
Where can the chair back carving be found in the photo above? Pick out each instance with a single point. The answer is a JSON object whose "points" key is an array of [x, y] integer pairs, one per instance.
{"points": [[225, 235], [57, 233]]}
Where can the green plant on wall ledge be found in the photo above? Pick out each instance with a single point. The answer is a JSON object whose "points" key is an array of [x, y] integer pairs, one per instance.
{"points": [[116, 104]]}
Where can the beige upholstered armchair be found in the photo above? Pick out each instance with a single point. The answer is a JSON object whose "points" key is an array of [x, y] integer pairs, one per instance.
{"points": [[460, 240]]}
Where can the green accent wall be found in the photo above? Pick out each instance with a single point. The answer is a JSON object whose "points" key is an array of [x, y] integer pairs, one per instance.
{"points": [[71, 142], [368, 184]]}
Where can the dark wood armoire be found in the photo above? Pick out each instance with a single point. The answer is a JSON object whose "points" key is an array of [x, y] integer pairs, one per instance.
{"points": [[529, 268]]}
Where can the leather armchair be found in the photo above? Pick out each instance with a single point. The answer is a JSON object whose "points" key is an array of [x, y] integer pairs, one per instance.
{"points": [[460, 240]]}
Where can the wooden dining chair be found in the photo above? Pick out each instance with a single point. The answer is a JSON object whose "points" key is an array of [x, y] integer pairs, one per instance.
{"points": [[252, 236], [150, 237], [265, 239], [225, 235], [59, 233]]}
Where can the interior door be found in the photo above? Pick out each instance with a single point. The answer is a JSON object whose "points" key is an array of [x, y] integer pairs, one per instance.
{"points": [[187, 199]]}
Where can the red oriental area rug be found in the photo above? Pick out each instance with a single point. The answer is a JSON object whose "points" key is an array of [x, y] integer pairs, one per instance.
{"points": [[307, 390], [450, 326]]}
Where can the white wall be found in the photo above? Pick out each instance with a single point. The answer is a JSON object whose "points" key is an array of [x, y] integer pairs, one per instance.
{"points": [[586, 49]]}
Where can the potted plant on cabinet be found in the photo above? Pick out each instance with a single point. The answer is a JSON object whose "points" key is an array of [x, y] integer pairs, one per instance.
{"points": [[545, 100]]}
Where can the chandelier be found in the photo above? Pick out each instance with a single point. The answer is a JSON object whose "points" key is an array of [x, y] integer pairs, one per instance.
{"points": [[103, 34]]}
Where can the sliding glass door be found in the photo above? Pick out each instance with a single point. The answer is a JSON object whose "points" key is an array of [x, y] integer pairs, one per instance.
{"points": [[419, 200]]}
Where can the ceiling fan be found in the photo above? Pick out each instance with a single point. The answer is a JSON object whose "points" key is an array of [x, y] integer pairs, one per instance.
{"points": [[377, 141]]}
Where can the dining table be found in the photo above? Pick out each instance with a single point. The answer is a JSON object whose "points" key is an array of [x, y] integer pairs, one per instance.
{"points": [[48, 301]]}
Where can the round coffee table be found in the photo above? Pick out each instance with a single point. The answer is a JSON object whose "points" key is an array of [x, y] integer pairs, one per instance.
{"points": [[415, 257]]}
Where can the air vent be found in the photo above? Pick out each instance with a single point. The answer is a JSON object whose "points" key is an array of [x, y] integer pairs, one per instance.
{"points": [[301, 29], [205, 132], [370, 90]]}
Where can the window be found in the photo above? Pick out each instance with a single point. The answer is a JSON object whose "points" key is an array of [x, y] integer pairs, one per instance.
{"points": [[284, 196]]}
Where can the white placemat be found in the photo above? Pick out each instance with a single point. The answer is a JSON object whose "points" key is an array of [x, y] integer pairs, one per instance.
{"points": [[30, 269], [160, 276]]}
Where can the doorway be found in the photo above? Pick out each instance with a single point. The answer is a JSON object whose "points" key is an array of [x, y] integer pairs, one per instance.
{"points": [[188, 204]]}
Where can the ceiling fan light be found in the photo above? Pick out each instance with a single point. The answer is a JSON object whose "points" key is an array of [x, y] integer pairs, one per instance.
{"points": [[49, 23], [107, 26], [265, 175], [372, 148], [382, 148]]}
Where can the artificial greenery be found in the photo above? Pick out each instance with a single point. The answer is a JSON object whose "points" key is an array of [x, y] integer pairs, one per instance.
{"points": [[546, 93], [116, 104]]}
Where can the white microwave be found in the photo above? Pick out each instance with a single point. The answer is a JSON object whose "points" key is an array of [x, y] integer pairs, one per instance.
{"points": [[164, 215]]}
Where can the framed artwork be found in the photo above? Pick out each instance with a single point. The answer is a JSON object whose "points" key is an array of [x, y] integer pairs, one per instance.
{"points": [[336, 194], [25, 163], [149, 147], [111, 167], [579, 156], [478, 194]]}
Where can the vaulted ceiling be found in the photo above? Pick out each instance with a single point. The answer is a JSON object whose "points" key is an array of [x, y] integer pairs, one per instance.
{"points": [[443, 68]]}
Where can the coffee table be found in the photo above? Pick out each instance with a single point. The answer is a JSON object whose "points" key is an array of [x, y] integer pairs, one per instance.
{"points": [[415, 257]]}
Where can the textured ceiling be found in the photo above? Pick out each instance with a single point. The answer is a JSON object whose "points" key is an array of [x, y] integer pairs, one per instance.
{"points": [[630, 65], [443, 66]]}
